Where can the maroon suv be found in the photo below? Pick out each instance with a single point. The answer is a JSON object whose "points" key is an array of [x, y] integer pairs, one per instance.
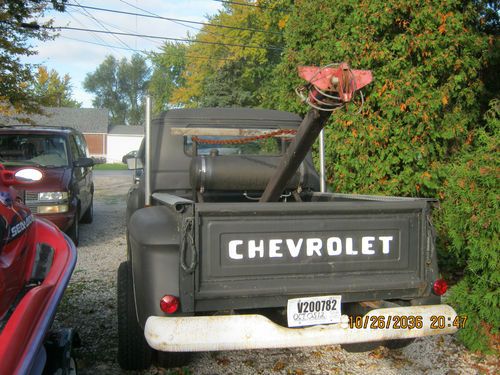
{"points": [[64, 191]]}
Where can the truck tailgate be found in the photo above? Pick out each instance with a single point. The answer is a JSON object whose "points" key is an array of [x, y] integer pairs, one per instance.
{"points": [[273, 251]]}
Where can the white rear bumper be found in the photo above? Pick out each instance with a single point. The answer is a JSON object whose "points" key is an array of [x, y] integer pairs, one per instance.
{"points": [[232, 332]]}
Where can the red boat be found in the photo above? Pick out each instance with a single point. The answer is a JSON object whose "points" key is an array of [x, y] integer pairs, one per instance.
{"points": [[36, 263]]}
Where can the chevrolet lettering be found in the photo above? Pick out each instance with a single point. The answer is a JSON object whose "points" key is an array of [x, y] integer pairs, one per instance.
{"points": [[310, 247]]}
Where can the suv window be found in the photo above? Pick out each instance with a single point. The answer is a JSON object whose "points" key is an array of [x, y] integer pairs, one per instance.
{"points": [[44, 150], [75, 151], [82, 145]]}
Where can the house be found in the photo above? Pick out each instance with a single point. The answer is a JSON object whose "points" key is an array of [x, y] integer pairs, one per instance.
{"points": [[122, 139], [92, 122]]}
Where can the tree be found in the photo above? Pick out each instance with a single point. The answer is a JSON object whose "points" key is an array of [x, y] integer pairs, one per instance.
{"points": [[133, 78], [20, 22], [421, 131], [120, 86], [233, 66], [223, 89], [167, 76], [51, 90]]}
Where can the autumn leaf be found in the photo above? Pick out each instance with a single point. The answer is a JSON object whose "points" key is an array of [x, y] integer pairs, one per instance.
{"points": [[282, 22], [278, 366]]}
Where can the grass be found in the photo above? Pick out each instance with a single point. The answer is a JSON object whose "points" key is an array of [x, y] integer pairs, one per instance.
{"points": [[110, 167]]}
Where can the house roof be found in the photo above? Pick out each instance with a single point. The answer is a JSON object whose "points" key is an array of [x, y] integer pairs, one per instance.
{"points": [[126, 130], [86, 120]]}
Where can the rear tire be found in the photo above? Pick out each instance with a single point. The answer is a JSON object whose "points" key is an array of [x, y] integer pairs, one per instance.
{"points": [[169, 360], [398, 344], [134, 352], [361, 347], [88, 216], [74, 230]]}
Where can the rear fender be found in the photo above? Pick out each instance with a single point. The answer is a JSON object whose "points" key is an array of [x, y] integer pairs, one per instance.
{"points": [[154, 255]]}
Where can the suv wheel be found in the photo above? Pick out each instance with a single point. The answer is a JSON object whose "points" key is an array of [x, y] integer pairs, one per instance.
{"points": [[88, 216], [74, 231], [134, 352]]}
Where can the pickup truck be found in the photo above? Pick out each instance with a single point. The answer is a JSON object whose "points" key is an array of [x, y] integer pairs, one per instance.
{"points": [[212, 266]]}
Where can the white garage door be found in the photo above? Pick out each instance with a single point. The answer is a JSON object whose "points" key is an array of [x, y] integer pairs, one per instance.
{"points": [[119, 145]]}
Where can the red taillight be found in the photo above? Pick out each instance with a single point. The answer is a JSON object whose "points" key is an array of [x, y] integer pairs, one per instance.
{"points": [[440, 287], [169, 304]]}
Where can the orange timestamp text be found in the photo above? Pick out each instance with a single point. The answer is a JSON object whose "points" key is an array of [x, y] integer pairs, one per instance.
{"points": [[406, 321]]}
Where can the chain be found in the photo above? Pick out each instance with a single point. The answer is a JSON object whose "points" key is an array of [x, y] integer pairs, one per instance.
{"points": [[244, 140]]}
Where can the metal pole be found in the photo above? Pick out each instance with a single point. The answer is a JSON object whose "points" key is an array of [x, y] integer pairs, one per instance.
{"points": [[322, 161], [295, 154], [147, 164]]}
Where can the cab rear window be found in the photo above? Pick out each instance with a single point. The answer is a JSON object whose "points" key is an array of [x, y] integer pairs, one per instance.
{"points": [[211, 145]]}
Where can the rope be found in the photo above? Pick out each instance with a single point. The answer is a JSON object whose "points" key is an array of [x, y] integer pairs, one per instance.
{"points": [[187, 242], [244, 140]]}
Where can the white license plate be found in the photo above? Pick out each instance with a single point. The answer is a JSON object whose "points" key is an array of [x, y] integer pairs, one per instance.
{"points": [[310, 311]]}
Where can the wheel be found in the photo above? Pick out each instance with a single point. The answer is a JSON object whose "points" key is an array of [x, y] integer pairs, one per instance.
{"points": [[354, 310], [398, 344], [88, 216], [74, 230], [73, 368], [169, 360], [361, 347], [134, 352]]}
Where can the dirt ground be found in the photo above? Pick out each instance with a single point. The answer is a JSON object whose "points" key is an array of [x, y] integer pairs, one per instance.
{"points": [[89, 306]]}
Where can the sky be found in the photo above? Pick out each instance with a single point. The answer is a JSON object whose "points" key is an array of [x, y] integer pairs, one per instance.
{"points": [[72, 52]]}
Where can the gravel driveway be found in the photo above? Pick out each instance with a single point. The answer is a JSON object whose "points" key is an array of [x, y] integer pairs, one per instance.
{"points": [[89, 306]]}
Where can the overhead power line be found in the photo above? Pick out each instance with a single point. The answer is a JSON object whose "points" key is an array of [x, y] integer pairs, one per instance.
{"points": [[113, 26], [177, 23], [163, 38], [251, 5], [156, 15], [99, 23], [95, 36], [103, 44], [174, 19], [143, 51]]}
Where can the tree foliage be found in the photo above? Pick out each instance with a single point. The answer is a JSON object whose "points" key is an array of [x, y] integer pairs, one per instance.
{"points": [[227, 67], [168, 68], [469, 226], [52, 90], [421, 131], [20, 22], [120, 86]]}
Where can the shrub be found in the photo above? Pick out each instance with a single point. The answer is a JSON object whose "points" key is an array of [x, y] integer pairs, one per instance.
{"points": [[468, 222]]}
